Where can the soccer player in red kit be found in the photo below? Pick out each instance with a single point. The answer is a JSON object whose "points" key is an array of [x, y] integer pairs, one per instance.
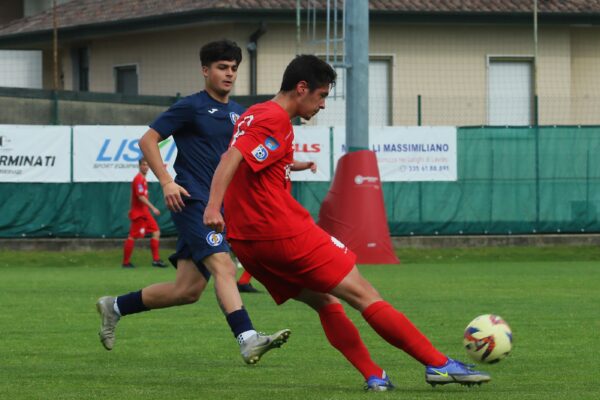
{"points": [[142, 222], [277, 241], [243, 283]]}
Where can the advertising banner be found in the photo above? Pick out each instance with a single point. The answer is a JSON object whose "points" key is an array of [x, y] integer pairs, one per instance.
{"points": [[34, 153], [107, 153], [412, 153], [311, 143]]}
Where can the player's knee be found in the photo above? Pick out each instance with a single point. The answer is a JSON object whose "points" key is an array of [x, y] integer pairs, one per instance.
{"points": [[223, 269], [221, 266], [358, 292], [190, 295]]}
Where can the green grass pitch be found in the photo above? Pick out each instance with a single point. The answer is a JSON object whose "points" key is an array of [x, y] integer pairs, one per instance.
{"points": [[49, 348]]}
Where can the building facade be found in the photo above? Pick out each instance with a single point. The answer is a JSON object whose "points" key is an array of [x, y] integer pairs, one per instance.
{"points": [[436, 64]]}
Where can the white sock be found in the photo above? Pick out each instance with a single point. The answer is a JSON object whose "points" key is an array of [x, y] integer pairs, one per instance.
{"points": [[116, 307], [242, 337]]}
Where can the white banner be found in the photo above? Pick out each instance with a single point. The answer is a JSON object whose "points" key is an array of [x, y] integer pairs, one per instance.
{"points": [[412, 153], [311, 143], [106, 153], [34, 153]]}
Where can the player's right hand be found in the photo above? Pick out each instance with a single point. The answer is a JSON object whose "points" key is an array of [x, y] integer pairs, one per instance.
{"points": [[172, 193], [214, 219]]}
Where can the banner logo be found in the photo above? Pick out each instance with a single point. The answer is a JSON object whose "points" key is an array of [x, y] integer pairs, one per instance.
{"points": [[359, 179], [128, 150]]}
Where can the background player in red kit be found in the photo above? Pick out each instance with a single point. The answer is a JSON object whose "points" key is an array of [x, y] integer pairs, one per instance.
{"points": [[277, 241], [142, 221]]}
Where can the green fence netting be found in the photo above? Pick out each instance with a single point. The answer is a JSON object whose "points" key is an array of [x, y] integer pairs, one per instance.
{"points": [[511, 180]]}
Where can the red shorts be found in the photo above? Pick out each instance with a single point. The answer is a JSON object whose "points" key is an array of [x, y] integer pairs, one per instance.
{"points": [[313, 260], [142, 226]]}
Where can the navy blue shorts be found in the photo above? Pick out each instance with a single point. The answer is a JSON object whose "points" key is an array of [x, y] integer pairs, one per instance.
{"points": [[196, 241]]}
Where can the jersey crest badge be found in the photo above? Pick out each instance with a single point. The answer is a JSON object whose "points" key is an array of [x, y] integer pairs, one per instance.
{"points": [[214, 239], [234, 117], [260, 153], [271, 143]]}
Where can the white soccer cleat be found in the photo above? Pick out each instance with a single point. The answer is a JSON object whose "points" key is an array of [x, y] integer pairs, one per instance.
{"points": [[254, 347], [105, 307]]}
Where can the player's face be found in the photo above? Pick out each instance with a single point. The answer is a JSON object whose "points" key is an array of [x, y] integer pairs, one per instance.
{"points": [[144, 167], [220, 76], [310, 102]]}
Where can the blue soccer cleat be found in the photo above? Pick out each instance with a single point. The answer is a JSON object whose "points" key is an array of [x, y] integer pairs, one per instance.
{"points": [[455, 372], [379, 384]]}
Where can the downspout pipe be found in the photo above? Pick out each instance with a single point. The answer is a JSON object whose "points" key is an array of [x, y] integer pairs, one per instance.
{"points": [[252, 47]]}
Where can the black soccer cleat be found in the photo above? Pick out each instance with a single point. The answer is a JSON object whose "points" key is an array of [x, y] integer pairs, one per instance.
{"points": [[159, 264], [247, 288]]}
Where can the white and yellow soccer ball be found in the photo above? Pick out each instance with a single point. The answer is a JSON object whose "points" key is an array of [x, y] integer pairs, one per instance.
{"points": [[488, 339]]}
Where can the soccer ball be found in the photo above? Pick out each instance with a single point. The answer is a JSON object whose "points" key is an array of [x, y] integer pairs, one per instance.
{"points": [[488, 339]]}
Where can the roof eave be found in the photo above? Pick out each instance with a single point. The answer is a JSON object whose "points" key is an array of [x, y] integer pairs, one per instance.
{"points": [[85, 32], [88, 31], [486, 18]]}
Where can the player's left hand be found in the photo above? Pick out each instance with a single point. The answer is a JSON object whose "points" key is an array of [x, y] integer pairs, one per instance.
{"points": [[313, 167], [156, 211], [214, 219]]}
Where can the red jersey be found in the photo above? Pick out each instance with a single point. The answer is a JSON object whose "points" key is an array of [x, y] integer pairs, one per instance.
{"points": [[139, 187], [258, 202]]}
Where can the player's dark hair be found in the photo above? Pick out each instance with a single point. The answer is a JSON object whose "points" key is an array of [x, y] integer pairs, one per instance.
{"points": [[316, 72], [220, 50], [141, 160]]}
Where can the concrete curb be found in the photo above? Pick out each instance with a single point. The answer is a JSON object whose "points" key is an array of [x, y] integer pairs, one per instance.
{"points": [[73, 244], [496, 241]]}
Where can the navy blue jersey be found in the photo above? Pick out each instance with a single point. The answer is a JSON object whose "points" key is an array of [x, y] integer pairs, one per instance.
{"points": [[202, 128]]}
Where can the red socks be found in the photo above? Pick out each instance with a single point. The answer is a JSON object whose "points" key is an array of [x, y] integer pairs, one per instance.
{"points": [[128, 250], [343, 335], [245, 278], [397, 330], [154, 248]]}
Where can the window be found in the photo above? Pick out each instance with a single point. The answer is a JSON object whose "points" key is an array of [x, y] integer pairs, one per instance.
{"points": [[510, 91], [334, 113], [127, 79], [81, 80], [21, 68]]}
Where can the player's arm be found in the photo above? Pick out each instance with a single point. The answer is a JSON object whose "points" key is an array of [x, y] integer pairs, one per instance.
{"points": [[229, 163], [172, 192], [302, 165], [147, 202]]}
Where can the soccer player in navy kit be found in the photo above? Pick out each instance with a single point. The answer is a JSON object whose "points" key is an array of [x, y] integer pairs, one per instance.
{"points": [[202, 126]]}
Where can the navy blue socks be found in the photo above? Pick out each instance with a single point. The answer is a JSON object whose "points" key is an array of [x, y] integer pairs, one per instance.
{"points": [[239, 322], [131, 303]]}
